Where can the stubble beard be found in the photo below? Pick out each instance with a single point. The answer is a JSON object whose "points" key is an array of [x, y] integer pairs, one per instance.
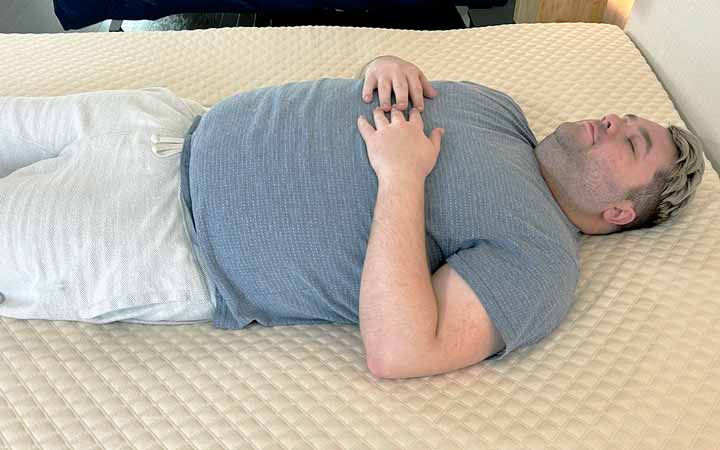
{"points": [[564, 167]]}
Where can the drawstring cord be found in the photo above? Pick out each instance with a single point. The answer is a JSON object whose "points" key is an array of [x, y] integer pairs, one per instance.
{"points": [[164, 146]]}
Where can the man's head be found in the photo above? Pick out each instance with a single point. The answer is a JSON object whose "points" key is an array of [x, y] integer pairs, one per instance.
{"points": [[620, 173]]}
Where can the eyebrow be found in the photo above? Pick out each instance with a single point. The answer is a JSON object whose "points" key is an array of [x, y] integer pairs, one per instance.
{"points": [[645, 134]]}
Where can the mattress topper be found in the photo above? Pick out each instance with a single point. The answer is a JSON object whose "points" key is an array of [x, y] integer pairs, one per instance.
{"points": [[635, 365]]}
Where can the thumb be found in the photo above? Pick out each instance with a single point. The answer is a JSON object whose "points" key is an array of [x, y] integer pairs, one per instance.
{"points": [[436, 137]]}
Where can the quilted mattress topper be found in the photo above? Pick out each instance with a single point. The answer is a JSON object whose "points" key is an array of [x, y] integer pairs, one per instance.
{"points": [[635, 364]]}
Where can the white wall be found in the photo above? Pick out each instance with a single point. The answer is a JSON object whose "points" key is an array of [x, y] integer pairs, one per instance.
{"points": [[681, 42]]}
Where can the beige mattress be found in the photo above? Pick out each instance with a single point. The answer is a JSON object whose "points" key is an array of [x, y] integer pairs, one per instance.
{"points": [[636, 364]]}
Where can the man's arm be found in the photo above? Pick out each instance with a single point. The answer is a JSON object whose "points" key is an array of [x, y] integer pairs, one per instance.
{"points": [[414, 324], [398, 309], [407, 330]]}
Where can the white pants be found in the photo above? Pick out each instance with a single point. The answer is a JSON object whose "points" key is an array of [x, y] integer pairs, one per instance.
{"points": [[91, 220]]}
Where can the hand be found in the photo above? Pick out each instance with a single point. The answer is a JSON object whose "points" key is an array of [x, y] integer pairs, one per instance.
{"points": [[390, 73], [399, 149]]}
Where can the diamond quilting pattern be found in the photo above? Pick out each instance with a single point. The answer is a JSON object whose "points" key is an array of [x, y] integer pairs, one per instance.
{"points": [[636, 364]]}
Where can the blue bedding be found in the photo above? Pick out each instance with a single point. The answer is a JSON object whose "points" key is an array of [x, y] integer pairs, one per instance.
{"points": [[74, 14]]}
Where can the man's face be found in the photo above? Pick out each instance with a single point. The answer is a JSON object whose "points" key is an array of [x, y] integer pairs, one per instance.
{"points": [[591, 164]]}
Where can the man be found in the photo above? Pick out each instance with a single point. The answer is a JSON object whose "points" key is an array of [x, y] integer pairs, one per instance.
{"points": [[443, 258], [606, 175]]}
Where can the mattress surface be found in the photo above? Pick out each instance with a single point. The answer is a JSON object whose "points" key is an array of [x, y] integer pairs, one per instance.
{"points": [[635, 365]]}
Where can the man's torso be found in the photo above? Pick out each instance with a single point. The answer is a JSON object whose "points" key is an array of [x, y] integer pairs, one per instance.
{"points": [[283, 194]]}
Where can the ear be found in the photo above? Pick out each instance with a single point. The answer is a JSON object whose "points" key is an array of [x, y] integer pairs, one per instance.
{"points": [[620, 213]]}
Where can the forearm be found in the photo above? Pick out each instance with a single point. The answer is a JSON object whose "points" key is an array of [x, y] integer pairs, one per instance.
{"points": [[398, 308]]}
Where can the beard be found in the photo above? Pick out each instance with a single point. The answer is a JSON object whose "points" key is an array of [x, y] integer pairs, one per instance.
{"points": [[577, 180]]}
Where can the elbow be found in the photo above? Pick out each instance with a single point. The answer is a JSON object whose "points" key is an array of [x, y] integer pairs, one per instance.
{"points": [[384, 355], [389, 364], [380, 360], [378, 367]]}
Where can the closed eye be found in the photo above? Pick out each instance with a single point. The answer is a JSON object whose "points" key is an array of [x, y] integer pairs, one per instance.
{"points": [[632, 146]]}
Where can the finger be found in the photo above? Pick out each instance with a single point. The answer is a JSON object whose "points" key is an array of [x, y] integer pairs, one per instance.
{"points": [[400, 86], [368, 87], [428, 90], [366, 130], [436, 137], [396, 115], [380, 119], [384, 90], [416, 118], [416, 93]]}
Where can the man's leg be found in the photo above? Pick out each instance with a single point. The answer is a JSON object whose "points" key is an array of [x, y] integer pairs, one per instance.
{"points": [[19, 143], [95, 233], [37, 128]]}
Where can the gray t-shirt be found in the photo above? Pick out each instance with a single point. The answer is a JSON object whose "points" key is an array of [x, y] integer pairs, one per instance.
{"points": [[282, 197]]}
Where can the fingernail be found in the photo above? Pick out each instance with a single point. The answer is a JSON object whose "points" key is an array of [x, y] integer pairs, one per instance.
{"points": [[401, 105], [367, 98], [386, 105]]}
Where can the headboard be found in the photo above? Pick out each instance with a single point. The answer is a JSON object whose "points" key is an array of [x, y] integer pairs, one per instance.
{"points": [[680, 42]]}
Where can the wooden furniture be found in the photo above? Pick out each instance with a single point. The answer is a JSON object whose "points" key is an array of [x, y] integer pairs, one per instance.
{"points": [[559, 10]]}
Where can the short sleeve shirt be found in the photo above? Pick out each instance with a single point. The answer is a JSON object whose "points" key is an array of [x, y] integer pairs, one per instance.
{"points": [[283, 194]]}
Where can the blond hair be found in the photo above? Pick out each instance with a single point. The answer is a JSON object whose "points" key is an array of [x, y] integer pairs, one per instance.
{"points": [[671, 188]]}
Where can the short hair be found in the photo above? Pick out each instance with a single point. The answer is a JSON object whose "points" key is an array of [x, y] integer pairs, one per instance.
{"points": [[672, 188]]}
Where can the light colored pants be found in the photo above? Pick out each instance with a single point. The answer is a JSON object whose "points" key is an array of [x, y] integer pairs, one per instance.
{"points": [[91, 220]]}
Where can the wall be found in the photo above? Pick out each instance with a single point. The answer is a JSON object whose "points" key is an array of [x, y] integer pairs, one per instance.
{"points": [[681, 42]]}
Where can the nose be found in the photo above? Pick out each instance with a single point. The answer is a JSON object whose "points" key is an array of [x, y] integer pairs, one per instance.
{"points": [[611, 123]]}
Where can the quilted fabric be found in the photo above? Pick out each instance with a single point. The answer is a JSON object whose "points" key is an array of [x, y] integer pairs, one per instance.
{"points": [[636, 364]]}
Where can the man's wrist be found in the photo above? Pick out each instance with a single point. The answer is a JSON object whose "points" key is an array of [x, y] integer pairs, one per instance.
{"points": [[405, 183]]}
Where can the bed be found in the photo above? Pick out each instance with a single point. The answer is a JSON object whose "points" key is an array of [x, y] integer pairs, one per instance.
{"points": [[635, 365]]}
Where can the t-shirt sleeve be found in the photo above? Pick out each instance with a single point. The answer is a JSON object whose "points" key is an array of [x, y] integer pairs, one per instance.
{"points": [[526, 288]]}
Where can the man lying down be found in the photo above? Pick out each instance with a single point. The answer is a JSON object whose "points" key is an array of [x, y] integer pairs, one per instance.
{"points": [[445, 230]]}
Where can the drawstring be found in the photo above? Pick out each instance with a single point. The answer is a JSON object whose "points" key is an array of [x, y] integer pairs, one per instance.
{"points": [[164, 146]]}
